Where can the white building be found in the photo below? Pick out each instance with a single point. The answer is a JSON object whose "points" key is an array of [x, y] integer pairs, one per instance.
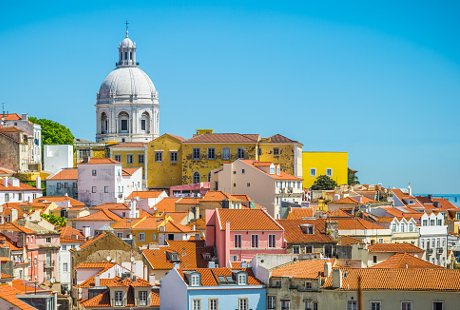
{"points": [[102, 180], [11, 190], [262, 181], [63, 182], [433, 238], [57, 157], [127, 108]]}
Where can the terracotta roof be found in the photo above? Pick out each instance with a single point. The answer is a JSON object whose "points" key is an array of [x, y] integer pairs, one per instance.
{"points": [[126, 223], [92, 240], [346, 200], [165, 205], [6, 171], [171, 227], [9, 129], [247, 219], [129, 282], [128, 145], [394, 247], [242, 197], [8, 243], [209, 275], [300, 213], [282, 139], [15, 228], [293, 232], [103, 300], [7, 207], [10, 116], [178, 216], [303, 269], [145, 194], [221, 138], [111, 206], [405, 260], [95, 265], [189, 252], [71, 235], [351, 223], [406, 279], [27, 287], [364, 199], [200, 224], [176, 136], [73, 202], [189, 201], [64, 174], [91, 282], [100, 161], [282, 176], [148, 223], [348, 241], [338, 213], [218, 196], [101, 215], [8, 293], [21, 187], [129, 171]]}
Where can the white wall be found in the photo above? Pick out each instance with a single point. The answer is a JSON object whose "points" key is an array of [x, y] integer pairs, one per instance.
{"points": [[107, 175], [56, 157]]}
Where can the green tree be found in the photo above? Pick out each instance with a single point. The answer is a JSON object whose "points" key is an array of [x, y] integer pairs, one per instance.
{"points": [[53, 133], [55, 220], [323, 182], [352, 177]]}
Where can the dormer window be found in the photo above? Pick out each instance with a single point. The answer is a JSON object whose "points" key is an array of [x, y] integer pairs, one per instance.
{"points": [[425, 223], [411, 227], [242, 278], [195, 280], [393, 227], [278, 170], [458, 216], [439, 222], [307, 229], [403, 227], [272, 169]]}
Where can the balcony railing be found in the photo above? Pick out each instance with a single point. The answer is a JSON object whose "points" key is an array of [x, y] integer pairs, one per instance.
{"points": [[49, 264], [439, 250], [429, 251]]}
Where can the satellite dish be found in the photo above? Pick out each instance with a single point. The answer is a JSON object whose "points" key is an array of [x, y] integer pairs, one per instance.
{"points": [[132, 259], [108, 258]]}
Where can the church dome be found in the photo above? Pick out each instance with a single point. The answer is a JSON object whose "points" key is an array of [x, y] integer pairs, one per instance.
{"points": [[127, 82], [127, 43]]}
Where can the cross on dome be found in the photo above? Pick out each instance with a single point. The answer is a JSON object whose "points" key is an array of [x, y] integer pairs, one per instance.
{"points": [[126, 23]]}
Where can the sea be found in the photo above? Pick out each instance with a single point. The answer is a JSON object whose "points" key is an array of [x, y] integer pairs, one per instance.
{"points": [[454, 198]]}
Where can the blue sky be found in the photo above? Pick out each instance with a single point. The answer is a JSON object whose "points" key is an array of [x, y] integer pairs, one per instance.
{"points": [[378, 80]]}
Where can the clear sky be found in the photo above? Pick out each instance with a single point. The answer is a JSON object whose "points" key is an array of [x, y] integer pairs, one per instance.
{"points": [[378, 79]]}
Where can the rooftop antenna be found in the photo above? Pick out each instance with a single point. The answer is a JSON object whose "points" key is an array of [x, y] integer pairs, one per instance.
{"points": [[3, 108]]}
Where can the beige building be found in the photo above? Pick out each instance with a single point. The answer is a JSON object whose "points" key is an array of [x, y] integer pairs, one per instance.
{"points": [[13, 149], [264, 182]]}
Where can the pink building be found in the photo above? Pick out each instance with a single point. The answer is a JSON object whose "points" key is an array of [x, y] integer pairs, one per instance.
{"points": [[190, 190], [239, 234]]}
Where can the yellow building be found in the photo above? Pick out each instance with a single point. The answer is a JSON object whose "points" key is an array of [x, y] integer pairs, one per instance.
{"points": [[332, 164], [85, 148], [130, 154], [164, 161]]}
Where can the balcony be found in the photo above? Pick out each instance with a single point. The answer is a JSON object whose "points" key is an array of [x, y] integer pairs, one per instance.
{"points": [[49, 264], [439, 250], [429, 251]]}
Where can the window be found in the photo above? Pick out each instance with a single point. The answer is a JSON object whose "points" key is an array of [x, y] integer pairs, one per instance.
{"points": [[271, 241], [48, 240], [195, 280], [271, 302], [242, 304], [196, 153], [124, 125], [118, 298], [225, 153], [94, 189], [272, 170], [75, 185], [94, 173], [276, 151], [59, 185], [213, 304], [406, 305], [242, 278], [143, 298], [295, 249], [106, 189], [117, 157], [438, 243], [439, 222], [173, 156], [196, 177], [141, 236], [285, 304], [425, 223], [143, 124], [120, 235], [308, 249], [376, 305], [248, 185], [308, 285], [65, 267], [35, 261], [374, 259], [458, 216], [329, 172], [211, 153], [237, 241], [411, 227], [313, 172], [254, 241], [432, 222], [352, 305], [278, 172], [422, 243], [158, 156], [196, 303], [240, 153], [154, 237], [380, 240], [438, 305], [140, 158], [129, 159], [403, 227], [393, 227], [63, 247]]}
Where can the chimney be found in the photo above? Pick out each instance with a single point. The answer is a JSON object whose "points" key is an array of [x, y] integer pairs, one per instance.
{"points": [[29, 200], [244, 264], [97, 281], [38, 182], [193, 227], [327, 269], [13, 215], [333, 228], [5, 181], [24, 117], [152, 279], [430, 197], [336, 278], [211, 264]]}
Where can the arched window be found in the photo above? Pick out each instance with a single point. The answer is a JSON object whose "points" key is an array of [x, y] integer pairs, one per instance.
{"points": [[123, 119], [209, 176], [196, 177], [104, 123], [145, 122]]}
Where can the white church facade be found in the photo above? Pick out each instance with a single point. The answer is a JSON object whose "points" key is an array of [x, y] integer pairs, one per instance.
{"points": [[127, 108]]}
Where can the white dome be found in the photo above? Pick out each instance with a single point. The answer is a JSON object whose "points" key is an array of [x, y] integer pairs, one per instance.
{"points": [[126, 43], [127, 82]]}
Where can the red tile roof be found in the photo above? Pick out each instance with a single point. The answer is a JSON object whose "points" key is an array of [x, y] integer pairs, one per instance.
{"points": [[10, 116], [92, 240], [405, 279], [300, 213], [100, 161], [166, 205], [338, 213], [348, 241], [221, 138], [405, 260], [293, 232], [21, 187], [102, 215], [71, 235], [129, 171], [346, 200], [209, 275], [95, 265], [247, 219], [303, 269], [394, 247], [218, 196], [282, 176], [64, 174], [145, 194], [111, 206], [15, 228], [128, 145], [8, 293], [282, 139], [73, 202]]}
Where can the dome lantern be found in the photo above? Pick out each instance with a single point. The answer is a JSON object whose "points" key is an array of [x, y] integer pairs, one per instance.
{"points": [[127, 53]]}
